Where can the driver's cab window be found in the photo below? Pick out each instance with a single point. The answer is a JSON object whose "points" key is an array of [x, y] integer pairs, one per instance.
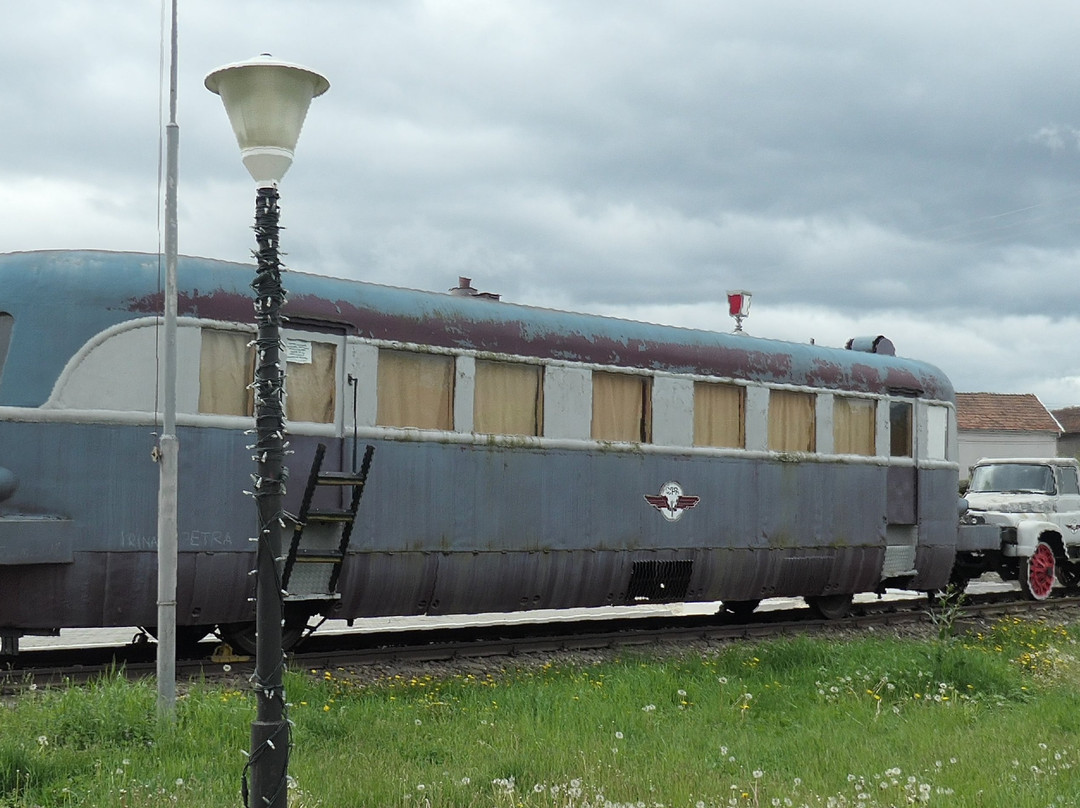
{"points": [[1069, 483]]}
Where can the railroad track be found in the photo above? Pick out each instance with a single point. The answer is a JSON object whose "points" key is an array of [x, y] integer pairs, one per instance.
{"points": [[53, 668]]}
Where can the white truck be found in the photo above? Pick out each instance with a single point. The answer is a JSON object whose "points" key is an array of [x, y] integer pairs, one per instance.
{"points": [[1023, 522]]}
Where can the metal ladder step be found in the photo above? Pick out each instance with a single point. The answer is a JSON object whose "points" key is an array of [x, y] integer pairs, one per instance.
{"points": [[330, 516], [317, 557], [338, 478]]}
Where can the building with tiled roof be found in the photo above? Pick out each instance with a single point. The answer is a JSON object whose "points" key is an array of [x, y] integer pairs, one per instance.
{"points": [[1069, 442], [1004, 425]]}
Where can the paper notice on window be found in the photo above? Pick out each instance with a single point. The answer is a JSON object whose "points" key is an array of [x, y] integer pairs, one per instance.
{"points": [[298, 351]]}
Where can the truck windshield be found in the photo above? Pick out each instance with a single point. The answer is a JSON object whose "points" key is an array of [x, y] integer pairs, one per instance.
{"points": [[1013, 478]]}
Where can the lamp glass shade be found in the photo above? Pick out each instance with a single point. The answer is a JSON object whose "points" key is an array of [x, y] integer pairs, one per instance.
{"points": [[738, 303], [266, 101]]}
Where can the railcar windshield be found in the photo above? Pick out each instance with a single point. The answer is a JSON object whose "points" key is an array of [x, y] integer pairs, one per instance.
{"points": [[1012, 478]]}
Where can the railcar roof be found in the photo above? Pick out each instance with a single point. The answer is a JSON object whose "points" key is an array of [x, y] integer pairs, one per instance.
{"points": [[59, 299]]}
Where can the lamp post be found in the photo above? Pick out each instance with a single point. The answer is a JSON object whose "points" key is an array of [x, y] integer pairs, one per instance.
{"points": [[267, 100]]}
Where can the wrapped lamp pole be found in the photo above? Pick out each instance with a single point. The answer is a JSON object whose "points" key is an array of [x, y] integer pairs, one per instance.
{"points": [[267, 101]]}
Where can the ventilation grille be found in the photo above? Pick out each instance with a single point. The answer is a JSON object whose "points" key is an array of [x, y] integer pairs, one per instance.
{"points": [[653, 581]]}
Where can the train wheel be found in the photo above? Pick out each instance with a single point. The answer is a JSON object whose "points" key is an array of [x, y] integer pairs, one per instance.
{"points": [[831, 607], [741, 609], [241, 636], [1037, 573], [187, 638]]}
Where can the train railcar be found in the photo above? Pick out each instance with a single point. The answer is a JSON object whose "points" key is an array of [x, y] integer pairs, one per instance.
{"points": [[523, 457]]}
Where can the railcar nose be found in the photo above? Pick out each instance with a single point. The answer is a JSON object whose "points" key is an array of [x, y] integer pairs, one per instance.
{"points": [[8, 483]]}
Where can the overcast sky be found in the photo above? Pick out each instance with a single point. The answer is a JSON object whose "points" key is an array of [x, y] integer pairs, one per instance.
{"points": [[907, 169]]}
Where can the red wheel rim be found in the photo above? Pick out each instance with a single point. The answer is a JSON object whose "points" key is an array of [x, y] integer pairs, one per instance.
{"points": [[1041, 571]]}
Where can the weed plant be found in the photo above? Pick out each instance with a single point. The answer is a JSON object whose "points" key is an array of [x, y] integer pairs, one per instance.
{"points": [[980, 719]]}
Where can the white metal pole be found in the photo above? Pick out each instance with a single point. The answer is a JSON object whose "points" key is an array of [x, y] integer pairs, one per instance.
{"points": [[169, 444]]}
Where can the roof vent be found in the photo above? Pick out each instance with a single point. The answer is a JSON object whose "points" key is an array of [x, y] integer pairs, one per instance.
{"points": [[465, 289], [879, 345]]}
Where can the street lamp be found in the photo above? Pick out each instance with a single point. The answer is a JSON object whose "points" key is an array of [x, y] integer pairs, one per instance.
{"points": [[266, 101]]}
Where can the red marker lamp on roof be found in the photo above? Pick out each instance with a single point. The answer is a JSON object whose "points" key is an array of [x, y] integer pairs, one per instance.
{"points": [[738, 307]]}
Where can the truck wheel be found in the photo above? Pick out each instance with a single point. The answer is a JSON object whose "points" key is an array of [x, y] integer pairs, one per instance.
{"points": [[1037, 573], [1068, 575]]}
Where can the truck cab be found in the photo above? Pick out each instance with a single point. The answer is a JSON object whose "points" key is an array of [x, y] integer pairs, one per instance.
{"points": [[1034, 505]]}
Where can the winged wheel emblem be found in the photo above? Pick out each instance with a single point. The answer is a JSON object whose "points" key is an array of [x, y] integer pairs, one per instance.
{"points": [[671, 501]]}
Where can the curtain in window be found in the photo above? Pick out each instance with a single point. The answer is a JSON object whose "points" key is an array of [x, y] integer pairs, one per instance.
{"points": [[791, 421], [508, 398], [854, 425], [718, 414], [226, 371], [621, 407], [311, 387], [415, 389]]}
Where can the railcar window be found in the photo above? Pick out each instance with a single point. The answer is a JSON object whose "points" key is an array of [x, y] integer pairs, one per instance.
{"points": [[937, 432], [900, 423], [415, 390], [7, 325], [719, 415], [310, 381], [226, 370], [508, 398], [791, 421], [621, 407], [854, 425]]}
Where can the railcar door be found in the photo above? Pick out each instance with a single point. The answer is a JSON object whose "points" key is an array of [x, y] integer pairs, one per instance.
{"points": [[902, 500]]}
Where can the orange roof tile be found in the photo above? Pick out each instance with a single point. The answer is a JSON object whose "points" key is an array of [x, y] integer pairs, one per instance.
{"points": [[1004, 412]]}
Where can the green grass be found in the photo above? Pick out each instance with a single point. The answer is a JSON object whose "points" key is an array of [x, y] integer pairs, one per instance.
{"points": [[987, 719]]}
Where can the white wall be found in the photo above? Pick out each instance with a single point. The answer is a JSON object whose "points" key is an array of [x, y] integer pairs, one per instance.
{"points": [[974, 445]]}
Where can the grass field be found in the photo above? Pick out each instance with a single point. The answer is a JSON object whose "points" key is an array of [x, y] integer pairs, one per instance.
{"points": [[979, 719]]}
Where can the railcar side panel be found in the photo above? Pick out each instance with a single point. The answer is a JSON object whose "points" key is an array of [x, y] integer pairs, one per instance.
{"points": [[855, 490]]}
